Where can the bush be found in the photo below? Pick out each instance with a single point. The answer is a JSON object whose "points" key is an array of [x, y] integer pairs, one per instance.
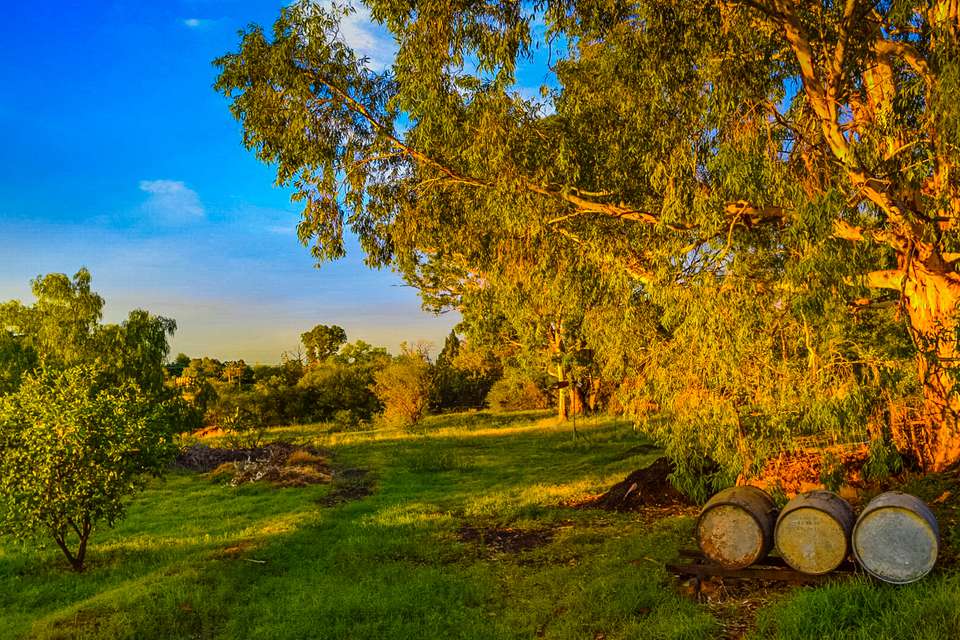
{"points": [[516, 392], [72, 451], [404, 387], [329, 389]]}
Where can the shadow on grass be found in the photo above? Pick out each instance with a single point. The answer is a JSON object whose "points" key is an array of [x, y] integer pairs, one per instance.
{"points": [[200, 560]]}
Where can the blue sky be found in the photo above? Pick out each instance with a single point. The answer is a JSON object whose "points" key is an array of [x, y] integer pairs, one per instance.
{"points": [[120, 157]]}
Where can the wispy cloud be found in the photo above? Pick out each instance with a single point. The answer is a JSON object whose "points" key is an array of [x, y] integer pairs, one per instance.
{"points": [[194, 23], [281, 230], [171, 201], [360, 32]]}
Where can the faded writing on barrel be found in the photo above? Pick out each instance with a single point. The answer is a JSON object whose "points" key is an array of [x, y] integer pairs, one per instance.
{"points": [[813, 532], [896, 539], [735, 528]]}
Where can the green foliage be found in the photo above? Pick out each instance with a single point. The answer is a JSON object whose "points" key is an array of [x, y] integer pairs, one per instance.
{"points": [[62, 328], [884, 460], [710, 215], [135, 350], [832, 472], [516, 392], [84, 411], [403, 387], [335, 387], [322, 342], [462, 375], [246, 400], [16, 359], [73, 448]]}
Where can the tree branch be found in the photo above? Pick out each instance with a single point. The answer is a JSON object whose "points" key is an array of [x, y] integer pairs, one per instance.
{"points": [[885, 279]]}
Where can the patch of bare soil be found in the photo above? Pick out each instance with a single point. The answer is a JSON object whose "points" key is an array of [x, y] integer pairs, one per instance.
{"points": [[348, 485], [505, 540], [795, 472], [642, 490]]}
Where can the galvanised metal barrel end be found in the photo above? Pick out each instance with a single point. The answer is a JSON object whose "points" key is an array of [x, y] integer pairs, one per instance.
{"points": [[896, 539]]}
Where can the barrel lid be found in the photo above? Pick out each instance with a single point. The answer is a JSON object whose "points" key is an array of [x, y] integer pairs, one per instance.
{"points": [[811, 540], [735, 527], [895, 542], [731, 535]]}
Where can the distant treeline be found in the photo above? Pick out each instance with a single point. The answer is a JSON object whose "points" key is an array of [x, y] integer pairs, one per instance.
{"points": [[349, 384]]}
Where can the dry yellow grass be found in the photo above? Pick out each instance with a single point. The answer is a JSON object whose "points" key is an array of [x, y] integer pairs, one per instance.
{"points": [[301, 457]]}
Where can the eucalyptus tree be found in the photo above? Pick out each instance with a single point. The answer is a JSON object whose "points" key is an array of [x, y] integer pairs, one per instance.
{"points": [[801, 151]]}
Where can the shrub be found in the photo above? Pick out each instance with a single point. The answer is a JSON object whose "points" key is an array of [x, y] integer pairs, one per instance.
{"points": [[516, 392], [331, 388], [403, 387], [72, 451]]}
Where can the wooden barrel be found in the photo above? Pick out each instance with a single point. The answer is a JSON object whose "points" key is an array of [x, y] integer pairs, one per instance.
{"points": [[813, 532], [896, 539], [735, 528]]}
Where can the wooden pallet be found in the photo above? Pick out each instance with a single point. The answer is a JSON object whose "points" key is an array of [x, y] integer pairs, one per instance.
{"points": [[772, 569]]}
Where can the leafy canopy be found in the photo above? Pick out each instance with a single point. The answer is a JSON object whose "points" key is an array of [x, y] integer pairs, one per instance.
{"points": [[743, 191], [72, 448]]}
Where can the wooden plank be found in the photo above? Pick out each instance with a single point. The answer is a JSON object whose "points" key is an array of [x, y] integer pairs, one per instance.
{"points": [[771, 561], [770, 574]]}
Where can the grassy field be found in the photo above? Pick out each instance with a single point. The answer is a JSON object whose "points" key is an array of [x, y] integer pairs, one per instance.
{"points": [[464, 536]]}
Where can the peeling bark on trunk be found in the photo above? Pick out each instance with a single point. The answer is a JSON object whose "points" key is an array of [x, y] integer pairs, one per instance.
{"points": [[931, 301]]}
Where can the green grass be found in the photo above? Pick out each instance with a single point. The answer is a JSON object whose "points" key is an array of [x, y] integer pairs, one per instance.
{"points": [[196, 559]]}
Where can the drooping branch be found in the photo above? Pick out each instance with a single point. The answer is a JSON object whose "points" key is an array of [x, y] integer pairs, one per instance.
{"points": [[746, 213]]}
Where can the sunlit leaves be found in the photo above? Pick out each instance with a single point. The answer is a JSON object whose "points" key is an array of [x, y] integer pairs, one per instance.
{"points": [[71, 451]]}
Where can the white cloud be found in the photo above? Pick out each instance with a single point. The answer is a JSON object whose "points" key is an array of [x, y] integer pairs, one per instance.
{"points": [[193, 23], [367, 38], [171, 201]]}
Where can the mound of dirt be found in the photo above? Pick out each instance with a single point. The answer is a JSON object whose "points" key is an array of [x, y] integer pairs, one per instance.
{"points": [[505, 540], [204, 458], [648, 487], [279, 463]]}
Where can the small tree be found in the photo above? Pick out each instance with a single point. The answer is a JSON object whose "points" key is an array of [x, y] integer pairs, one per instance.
{"points": [[71, 451], [404, 387]]}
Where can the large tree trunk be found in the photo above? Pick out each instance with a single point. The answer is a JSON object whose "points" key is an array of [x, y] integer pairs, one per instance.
{"points": [[931, 297]]}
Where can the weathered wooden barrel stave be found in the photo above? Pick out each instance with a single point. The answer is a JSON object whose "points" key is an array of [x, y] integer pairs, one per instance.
{"points": [[813, 530], [735, 527], [896, 539]]}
